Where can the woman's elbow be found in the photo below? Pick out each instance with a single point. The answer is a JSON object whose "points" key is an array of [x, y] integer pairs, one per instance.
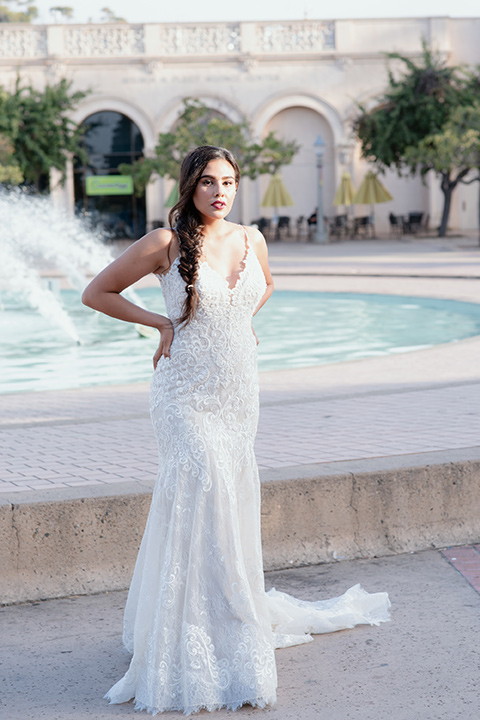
{"points": [[88, 297]]}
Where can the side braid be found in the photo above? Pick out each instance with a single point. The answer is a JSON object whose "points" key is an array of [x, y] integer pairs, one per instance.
{"points": [[187, 221], [190, 247]]}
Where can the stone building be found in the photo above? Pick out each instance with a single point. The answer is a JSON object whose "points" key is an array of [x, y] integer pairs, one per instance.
{"points": [[298, 78]]}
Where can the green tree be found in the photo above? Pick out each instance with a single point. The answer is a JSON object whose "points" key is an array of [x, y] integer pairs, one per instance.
{"points": [[451, 153], [39, 126], [416, 105], [61, 12], [25, 11], [110, 17], [10, 173], [200, 125]]}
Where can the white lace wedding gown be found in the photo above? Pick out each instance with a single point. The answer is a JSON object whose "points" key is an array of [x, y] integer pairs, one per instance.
{"points": [[200, 626]]}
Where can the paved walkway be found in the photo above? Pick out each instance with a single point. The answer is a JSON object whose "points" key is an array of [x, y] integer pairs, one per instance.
{"points": [[49, 449], [60, 656]]}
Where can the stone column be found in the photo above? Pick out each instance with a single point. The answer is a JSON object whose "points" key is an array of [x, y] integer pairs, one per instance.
{"points": [[154, 199], [62, 196]]}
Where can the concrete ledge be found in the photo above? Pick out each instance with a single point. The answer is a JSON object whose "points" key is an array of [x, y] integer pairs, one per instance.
{"points": [[310, 514]]}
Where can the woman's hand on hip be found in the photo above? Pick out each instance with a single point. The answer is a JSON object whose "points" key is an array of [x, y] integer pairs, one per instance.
{"points": [[166, 337]]}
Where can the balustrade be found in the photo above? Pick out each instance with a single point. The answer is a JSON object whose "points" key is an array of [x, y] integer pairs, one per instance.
{"points": [[23, 42], [167, 40]]}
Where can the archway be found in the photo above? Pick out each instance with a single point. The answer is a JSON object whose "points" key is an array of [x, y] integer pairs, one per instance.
{"points": [[111, 138], [303, 124]]}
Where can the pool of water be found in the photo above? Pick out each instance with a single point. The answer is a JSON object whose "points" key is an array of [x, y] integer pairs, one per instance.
{"points": [[295, 329]]}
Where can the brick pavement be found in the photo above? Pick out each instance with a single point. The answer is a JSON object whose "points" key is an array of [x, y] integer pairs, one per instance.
{"points": [[466, 560], [71, 438]]}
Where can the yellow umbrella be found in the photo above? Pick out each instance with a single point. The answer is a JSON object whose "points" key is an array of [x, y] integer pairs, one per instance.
{"points": [[277, 194], [371, 191], [345, 191]]}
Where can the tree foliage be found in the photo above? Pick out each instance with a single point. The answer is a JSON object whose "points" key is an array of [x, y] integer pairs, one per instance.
{"points": [[109, 16], [25, 11], [200, 125], [451, 153], [39, 127], [61, 12], [417, 106], [10, 173], [455, 148]]}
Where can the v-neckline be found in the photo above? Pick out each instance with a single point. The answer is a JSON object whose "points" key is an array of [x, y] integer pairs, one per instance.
{"points": [[224, 279], [243, 266]]}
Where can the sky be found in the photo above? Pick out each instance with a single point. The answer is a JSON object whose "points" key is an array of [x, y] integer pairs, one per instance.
{"points": [[140, 11]]}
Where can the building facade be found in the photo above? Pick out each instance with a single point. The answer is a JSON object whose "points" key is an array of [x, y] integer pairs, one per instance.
{"points": [[298, 78]]}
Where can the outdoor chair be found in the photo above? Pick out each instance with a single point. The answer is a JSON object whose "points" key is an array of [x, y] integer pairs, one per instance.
{"points": [[283, 227], [414, 222], [363, 227], [396, 225], [300, 226], [338, 226]]}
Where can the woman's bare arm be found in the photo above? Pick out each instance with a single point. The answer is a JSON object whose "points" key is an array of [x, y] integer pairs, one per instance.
{"points": [[150, 254], [259, 246]]}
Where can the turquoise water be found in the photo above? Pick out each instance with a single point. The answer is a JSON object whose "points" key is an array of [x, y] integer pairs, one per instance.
{"points": [[295, 329]]}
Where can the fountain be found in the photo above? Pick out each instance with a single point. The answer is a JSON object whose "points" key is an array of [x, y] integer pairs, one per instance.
{"points": [[37, 237], [49, 340]]}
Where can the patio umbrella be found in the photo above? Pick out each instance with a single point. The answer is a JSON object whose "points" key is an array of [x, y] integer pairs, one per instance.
{"points": [[345, 191], [371, 192], [173, 197], [277, 194]]}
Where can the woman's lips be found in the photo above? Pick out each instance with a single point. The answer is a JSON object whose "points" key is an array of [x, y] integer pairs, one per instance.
{"points": [[218, 205]]}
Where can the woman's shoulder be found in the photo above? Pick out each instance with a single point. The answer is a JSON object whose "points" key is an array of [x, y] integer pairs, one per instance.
{"points": [[162, 237], [254, 236], [163, 240], [160, 245]]}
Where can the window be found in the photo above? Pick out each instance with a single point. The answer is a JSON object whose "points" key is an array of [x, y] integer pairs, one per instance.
{"points": [[110, 139]]}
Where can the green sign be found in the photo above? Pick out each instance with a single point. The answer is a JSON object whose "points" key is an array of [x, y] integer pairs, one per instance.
{"points": [[109, 185]]}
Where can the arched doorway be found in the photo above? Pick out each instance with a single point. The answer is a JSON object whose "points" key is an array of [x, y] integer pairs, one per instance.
{"points": [[110, 139], [304, 124]]}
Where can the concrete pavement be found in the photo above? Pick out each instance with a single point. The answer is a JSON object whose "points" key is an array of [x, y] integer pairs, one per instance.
{"points": [[59, 657]]}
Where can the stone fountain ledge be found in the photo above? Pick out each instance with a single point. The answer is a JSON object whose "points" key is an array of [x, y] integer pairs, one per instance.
{"points": [[85, 540], [393, 498]]}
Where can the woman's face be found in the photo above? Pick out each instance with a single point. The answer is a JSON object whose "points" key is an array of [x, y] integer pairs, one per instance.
{"points": [[215, 191]]}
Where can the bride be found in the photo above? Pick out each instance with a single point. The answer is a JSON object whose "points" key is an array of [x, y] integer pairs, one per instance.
{"points": [[200, 627]]}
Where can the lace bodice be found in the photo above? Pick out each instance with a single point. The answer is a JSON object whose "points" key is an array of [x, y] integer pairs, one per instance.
{"points": [[217, 299]]}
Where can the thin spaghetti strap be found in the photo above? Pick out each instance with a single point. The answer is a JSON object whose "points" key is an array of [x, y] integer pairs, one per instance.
{"points": [[247, 244], [170, 262], [168, 252]]}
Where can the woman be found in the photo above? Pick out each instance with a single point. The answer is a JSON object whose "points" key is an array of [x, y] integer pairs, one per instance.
{"points": [[197, 618]]}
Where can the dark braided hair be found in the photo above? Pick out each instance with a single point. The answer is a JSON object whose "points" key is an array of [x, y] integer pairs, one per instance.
{"points": [[187, 221]]}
